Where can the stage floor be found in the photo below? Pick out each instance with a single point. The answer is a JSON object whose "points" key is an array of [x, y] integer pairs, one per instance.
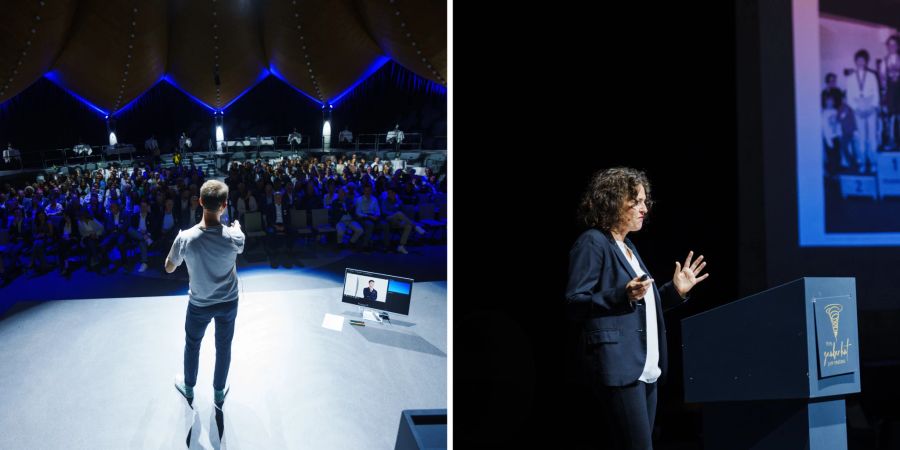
{"points": [[98, 373]]}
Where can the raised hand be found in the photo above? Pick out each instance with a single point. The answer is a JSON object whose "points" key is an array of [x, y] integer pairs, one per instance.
{"points": [[687, 276]]}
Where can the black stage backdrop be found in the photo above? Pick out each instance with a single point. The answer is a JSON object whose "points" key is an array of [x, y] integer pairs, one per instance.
{"points": [[656, 93]]}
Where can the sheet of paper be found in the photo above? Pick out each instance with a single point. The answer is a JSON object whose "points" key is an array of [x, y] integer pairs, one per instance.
{"points": [[333, 322]]}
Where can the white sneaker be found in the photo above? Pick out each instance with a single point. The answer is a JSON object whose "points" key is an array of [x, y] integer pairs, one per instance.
{"points": [[149, 241], [143, 267], [402, 249], [420, 230]]}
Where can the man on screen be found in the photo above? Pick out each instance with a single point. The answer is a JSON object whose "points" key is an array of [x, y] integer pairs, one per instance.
{"points": [[863, 97], [890, 81], [370, 293]]}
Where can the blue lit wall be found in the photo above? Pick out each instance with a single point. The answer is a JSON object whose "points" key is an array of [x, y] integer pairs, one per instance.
{"points": [[385, 94]]}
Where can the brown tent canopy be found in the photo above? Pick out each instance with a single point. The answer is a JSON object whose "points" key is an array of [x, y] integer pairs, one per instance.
{"points": [[112, 51]]}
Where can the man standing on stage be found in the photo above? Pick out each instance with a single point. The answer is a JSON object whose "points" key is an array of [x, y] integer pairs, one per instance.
{"points": [[210, 250]]}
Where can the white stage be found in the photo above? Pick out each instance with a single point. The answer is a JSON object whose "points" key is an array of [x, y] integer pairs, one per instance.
{"points": [[98, 374]]}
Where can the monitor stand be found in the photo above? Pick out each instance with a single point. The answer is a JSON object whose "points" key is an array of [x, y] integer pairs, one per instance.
{"points": [[374, 316]]}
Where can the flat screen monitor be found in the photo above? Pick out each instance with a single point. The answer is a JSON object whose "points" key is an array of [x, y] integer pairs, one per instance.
{"points": [[389, 293]]}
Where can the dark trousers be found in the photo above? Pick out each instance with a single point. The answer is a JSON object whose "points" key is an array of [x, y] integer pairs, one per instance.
{"points": [[115, 239], [195, 327], [278, 244], [629, 411]]}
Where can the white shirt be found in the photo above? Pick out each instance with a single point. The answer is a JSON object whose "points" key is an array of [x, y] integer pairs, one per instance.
{"points": [[92, 226], [651, 365], [862, 91]]}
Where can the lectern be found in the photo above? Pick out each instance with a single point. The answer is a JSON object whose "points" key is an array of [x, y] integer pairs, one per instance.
{"points": [[772, 369]]}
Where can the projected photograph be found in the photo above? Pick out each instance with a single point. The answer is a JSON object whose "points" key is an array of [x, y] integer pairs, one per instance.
{"points": [[860, 103], [848, 143], [369, 288]]}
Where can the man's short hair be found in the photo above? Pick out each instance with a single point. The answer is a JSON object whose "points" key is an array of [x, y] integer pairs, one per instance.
{"points": [[371, 281], [213, 193], [862, 53]]}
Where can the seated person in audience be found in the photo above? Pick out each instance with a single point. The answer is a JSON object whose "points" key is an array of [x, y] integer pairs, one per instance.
{"points": [[340, 216], [269, 197], [380, 186], [38, 202], [95, 209], [408, 194], [277, 222], [246, 203], [420, 183], [159, 204], [115, 233], [351, 191], [391, 211], [41, 238], [90, 230], [432, 182], [368, 214], [330, 194], [73, 206], [168, 224], [311, 198], [192, 215], [26, 196], [54, 208], [183, 203], [113, 195], [133, 202], [68, 242], [19, 236], [4, 212], [140, 230], [400, 176]]}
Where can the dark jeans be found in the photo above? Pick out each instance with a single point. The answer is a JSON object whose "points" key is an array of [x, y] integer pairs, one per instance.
{"points": [[630, 411], [195, 327]]}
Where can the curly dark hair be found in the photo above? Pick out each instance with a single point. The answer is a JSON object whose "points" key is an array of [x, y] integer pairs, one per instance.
{"points": [[608, 193]]}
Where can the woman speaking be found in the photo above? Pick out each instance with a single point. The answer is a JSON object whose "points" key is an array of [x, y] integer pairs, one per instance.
{"points": [[611, 294]]}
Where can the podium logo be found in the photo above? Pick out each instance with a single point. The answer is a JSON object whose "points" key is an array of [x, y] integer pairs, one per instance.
{"points": [[839, 353], [834, 313]]}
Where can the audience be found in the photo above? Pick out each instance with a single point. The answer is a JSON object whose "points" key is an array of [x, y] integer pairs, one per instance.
{"points": [[89, 213]]}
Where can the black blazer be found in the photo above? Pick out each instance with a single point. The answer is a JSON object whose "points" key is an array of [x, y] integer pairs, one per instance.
{"points": [[612, 342], [187, 220], [370, 294], [151, 222], [269, 216], [124, 223]]}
